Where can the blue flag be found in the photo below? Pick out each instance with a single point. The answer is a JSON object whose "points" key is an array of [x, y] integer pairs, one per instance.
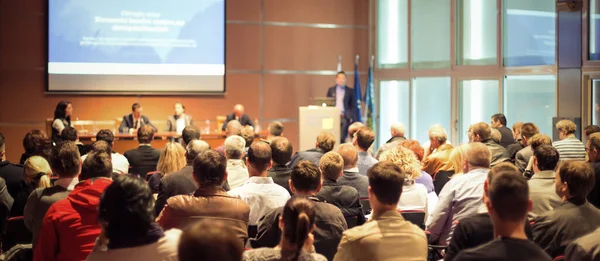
{"points": [[369, 100], [357, 93]]}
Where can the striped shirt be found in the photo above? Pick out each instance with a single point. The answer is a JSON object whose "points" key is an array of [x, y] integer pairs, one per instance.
{"points": [[570, 148]]}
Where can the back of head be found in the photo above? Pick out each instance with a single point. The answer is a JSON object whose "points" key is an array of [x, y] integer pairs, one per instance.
{"points": [[195, 147], [36, 142], [591, 129], [208, 239], [438, 132], [331, 165], [516, 128], [234, 147], [209, 168], [259, 156], [276, 128], [69, 134], [566, 126], [65, 160], [172, 158], [354, 127], [499, 117], [325, 141], [496, 136], [415, 147], [501, 167], [405, 159], [509, 195], [145, 134], [248, 136], [101, 146], [127, 208], [365, 138], [38, 171], [386, 180], [482, 130], [106, 135], [477, 155], [539, 140], [398, 129], [547, 157], [349, 154], [579, 177], [282, 150], [233, 128], [528, 130], [190, 133], [306, 176], [456, 158], [96, 165], [298, 219]]}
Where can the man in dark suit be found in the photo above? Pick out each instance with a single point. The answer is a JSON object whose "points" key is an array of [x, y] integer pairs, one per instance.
{"points": [[143, 159], [345, 100], [11, 173], [135, 120], [179, 120], [282, 153], [499, 123], [238, 114]]}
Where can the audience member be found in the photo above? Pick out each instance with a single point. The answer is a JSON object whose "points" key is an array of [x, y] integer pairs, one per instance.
{"points": [[144, 158], [325, 143], [208, 239], [363, 140], [352, 129], [329, 220], [65, 162], [239, 116], [507, 202], [135, 120], [589, 130], [569, 147], [499, 123], [237, 172], [181, 182], [129, 233], [172, 159], [71, 134], [11, 173], [397, 130], [593, 149], [6, 201], [248, 135], [481, 132], [575, 217], [512, 149], [210, 201], [179, 119], [119, 162], [437, 138], [457, 160], [260, 192], [350, 175], [281, 149], [346, 198], [232, 128], [36, 173], [535, 142], [528, 130], [478, 229], [586, 248], [275, 130], [496, 136], [422, 177], [461, 196], [386, 236], [62, 119], [36, 143], [297, 224], [189, 134], [541, 185], [68, 231], [438, 160]]}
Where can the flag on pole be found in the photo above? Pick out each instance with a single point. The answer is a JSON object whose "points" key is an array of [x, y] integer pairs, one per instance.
{"points": [[369, 97], [357, 92]]}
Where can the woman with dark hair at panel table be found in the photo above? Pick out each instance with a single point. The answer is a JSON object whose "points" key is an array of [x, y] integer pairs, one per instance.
{"points": [[36, 143], [62, 119], [297, 224], [126, 216]]}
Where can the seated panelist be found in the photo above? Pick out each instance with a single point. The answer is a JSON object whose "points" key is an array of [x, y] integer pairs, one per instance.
{"points": [[178, 121], [238, 114], [132, 122]]}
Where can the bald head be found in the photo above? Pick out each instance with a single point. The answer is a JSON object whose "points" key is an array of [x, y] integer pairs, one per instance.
{"points": [[349, 154], [476, 155], [238, 110], [234, 127], [194, 148], [259, 158], [398, 129]]}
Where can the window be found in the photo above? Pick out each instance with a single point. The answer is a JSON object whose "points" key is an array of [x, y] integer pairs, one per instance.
{"points": [[392, 33], [393, 107], [530, 98], [596, 102], [430, 22], [529, 35], [594, 41], [478, 101], [476, 29], [430, 105]]}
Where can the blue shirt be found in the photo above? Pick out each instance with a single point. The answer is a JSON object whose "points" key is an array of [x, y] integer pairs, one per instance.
{"points": [[365, 162], [340, 91]]}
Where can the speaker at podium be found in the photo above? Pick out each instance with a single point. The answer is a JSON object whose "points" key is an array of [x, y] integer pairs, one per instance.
{"points": [[314, 119]]}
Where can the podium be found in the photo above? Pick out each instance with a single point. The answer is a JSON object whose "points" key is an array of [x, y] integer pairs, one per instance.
{"points": [[314, 120]]}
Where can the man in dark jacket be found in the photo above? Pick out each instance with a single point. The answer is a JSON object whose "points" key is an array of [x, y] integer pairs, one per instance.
{"points": [[11, 173], [325, 143], [239, 115], [135, 120], [345, 100], [144, 158], [481, 132], [499, 123], [282, 153]]}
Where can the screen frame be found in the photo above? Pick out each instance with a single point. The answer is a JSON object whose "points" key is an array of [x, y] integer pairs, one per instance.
{"points": [[133, 93]]}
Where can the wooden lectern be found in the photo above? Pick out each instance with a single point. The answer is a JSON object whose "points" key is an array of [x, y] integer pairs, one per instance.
{"points": [[314, 120]]}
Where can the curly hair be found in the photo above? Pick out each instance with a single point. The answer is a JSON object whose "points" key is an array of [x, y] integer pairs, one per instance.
{"points": [[405, 159]]}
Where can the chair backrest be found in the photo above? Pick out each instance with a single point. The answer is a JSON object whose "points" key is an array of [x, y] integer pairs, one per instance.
{"points": [[416, 217], [149, 174], [440, 180], [48, 128], [559, 258], [252, 231], [220, 122], [118, 121], [352, 221], [16, 233], [366, 205]]}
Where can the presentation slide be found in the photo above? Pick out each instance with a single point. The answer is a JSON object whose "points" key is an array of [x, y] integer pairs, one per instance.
{"points": [[136, 46]]}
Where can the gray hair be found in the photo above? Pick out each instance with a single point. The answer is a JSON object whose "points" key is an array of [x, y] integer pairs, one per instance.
{"points": [[234, 147], [399, 128], [438, 132], [194, 148]]}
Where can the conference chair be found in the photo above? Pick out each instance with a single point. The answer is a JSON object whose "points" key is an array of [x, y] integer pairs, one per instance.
{"points": [[366, 205], [149, 175], [440, 179], [416, 217], [15, 233], [560, 258]]}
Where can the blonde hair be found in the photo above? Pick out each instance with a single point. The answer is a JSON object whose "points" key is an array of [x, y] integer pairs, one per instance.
{"points": [[405, 159], [331, 165], [566, 126], [37, 171], [456, 159], [172, 159]]}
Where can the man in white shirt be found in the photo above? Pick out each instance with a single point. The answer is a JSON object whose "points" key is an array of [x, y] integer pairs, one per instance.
{"points": [[461, 196], [237, 173], [260, 192], [119, 162]]}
